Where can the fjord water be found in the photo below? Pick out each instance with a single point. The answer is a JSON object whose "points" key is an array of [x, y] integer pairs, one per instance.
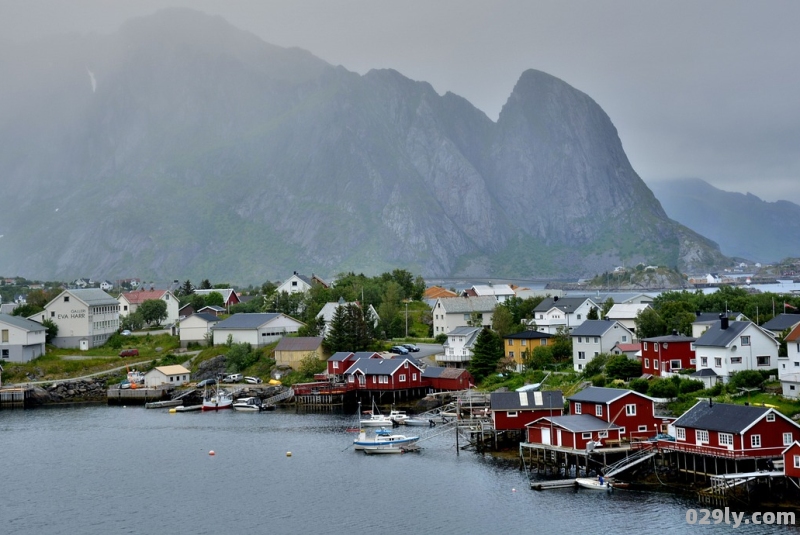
{"points": [[101, 470]]}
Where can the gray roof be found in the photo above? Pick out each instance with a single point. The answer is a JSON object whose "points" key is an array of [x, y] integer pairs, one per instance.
{"points": [[597, 394], [781, 322], [22, 323], [711, 317], [208, 318], [339, 356], [580, 423], [563, 303], [670, 338], [716, 336], [247, 320], [377, 366], [299, 343], [705, 372], [437, 372], [595, 327], [547, 399], [464, 305], [528, 335], [723, 417], [93, 296]]}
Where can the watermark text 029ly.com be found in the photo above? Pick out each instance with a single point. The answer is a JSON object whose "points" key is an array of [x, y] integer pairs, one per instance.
{"points": [[736, 519]]}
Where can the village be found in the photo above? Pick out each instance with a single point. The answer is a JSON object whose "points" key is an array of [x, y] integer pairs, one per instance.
{"points": [[569, 426]]}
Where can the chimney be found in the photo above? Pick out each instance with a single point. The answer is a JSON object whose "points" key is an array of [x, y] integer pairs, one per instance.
{"points": [[723, 321], [674, 332]]}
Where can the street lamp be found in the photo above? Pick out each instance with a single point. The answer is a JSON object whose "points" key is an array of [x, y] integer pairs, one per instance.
{"points": [[406, 319]]}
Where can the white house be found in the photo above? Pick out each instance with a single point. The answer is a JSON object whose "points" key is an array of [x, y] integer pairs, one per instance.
{"points": [[299, 283], [566, 312], [21, 340], [626, 313], [329, 310], [106, 285], [501, 292], [86, 318], [129, 302], [593, 337], [732, 346], [789, 366], [197, 328], [257, 329], [175, 375], [458, 347], [449, 313]]}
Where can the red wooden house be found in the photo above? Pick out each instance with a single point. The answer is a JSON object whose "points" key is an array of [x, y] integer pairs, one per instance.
{"points": [[668, 354], [791, 460], [575, 431], [341, 360], [633, 412], [439, 379], [514, 410], [384, 375], [726, 430]]}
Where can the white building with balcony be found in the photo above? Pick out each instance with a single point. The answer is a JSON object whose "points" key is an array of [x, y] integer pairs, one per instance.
{"points": [[458, 347]]}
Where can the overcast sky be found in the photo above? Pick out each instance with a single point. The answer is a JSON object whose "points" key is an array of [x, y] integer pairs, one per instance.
{"points": [[700, 88]]}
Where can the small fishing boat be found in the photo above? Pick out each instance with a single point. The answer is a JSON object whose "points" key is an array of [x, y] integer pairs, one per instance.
{"points": [[398, 417], [420, 422], [592, 483], [251, 404], [216, 399], [374, 418], [384, 441]]}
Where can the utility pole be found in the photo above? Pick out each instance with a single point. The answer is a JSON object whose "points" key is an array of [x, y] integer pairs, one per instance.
{"points": [[406, 319]]}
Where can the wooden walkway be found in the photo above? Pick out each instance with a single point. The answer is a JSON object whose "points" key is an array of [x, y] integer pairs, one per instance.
{"points": [[554, 484]]}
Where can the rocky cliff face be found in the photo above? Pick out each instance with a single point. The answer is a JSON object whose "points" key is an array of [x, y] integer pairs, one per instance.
{"points": [[181, 147]]}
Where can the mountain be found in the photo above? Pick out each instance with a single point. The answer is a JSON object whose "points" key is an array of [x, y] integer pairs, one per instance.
{"points": [[744, 226], [181, 147]]}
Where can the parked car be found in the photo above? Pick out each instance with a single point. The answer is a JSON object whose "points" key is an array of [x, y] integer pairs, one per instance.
{"points": [[126, 332], [206, 382], [252, 380], [400, 350], [411, 347], [129, 353], [232, 378]]}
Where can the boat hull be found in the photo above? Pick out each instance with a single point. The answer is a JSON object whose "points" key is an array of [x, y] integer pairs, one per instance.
{"points": [[591, 483]]}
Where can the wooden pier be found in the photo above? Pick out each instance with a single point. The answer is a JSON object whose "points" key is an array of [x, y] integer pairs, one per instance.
{"points": [[554, 484], [137, 396], [19, 397]]}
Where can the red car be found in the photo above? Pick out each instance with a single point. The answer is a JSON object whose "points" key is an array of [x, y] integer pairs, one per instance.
{"points": [[129, 353]]}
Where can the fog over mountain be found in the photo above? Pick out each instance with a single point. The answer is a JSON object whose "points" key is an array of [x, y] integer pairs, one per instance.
{"points": [[181, 147]]}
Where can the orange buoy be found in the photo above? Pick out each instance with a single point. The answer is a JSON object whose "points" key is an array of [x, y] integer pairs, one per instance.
{"points": [[211, 452]]}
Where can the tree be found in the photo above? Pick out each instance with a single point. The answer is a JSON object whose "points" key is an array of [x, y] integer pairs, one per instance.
{"points": [[389, 311], [661, 388], [313, 328], [153, 311], [607, 306], [186, 289], [51, 330], [592, 315], [239, 357], [595, 366], [132, 322], [215, 299], [205, 284], [561, 344], [503, 321], [26, 310], [350, 330], [486, 354], [538, 358], [649, 324], [621, 367], [311, 364], [746, 379]]}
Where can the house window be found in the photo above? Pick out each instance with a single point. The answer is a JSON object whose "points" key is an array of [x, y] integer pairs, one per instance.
{"points": [[6, 354], [598, 410], [5, 336], [125, 308], [602, 434], [294, 283], [762, 360], [596, 340], [587, 436], [511, 354], [675, 365], [797, 461], [718, 362], [630, 410], [384, 379], [701, 435], [335, 365], [644, 346], [692, 361], [579, 316], [745, 340], [703, 361], [375, 379], [646, 363], [523, 343], [543, 342], [655, 346], [624, 338], [642, 428], [787, 439], [736, 360], [580, 339], [512, 414], [510, 343], [577, 408], [413, 376], [771, 417], [725, 439], [655, 365], [52, 314], [66, 299], [680, 433], [402, 378], [755, 441], [621, 430], [581, 355]]}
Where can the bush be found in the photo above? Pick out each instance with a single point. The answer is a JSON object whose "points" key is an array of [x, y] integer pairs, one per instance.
{"points": [[621, 367], [441, 338], [662, 389], [688, 386], [599, 380], [639, 385], [595, 366], [746, 379]]}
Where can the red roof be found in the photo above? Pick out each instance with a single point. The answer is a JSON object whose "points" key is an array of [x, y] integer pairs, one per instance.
{"points": [[629, 347], [435, 292], [138, 297]]}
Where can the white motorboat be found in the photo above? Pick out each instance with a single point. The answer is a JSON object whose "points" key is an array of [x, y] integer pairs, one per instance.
{"points": [[374, 418], [399, 417], [593, 483], [251, 404], [384, 441]]}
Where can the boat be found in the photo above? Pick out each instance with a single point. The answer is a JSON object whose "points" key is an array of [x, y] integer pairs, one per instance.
{"points": [[384, 441], [592, 483], [398, 417], [420, 422], [251, 404], [216, 399], [375, 418]]}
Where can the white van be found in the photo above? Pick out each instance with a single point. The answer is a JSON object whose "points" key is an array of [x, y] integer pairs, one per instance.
{"points": [[232, 378]]}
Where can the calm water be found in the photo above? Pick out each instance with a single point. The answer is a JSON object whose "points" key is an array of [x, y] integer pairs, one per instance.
{"points": [[101, 470]]}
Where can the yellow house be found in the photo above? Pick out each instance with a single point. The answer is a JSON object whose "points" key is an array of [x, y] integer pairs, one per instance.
{"points": [[291, 351], [516, 345]]}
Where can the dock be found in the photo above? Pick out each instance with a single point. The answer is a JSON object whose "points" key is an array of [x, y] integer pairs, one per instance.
{"points": [[163, 404], [16, 397], [554, 484]]}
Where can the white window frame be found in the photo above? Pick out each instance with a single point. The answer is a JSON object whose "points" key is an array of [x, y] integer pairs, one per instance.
{"points": [[701, 436], [745, 340], [602, 434], [680, 433], [587, 436], [771, 417], [788, 439], [581, 355], [578, 407], [725, 439], [402, 378], [718, 362], [642, 428], [672, 364], [755, 441], [797, 461], [647, 363], [598, 410], [765, 362], [630, 410], [512, 414]]}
